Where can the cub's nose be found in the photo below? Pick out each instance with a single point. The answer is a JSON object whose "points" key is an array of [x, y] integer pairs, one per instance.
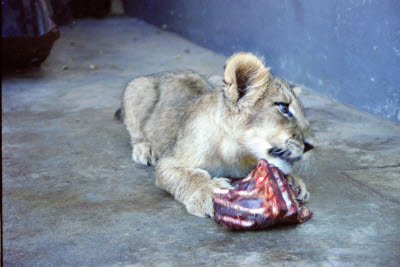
{"points": [[307, 147]]}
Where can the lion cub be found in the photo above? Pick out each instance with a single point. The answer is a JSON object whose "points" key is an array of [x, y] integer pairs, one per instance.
{"points": [[197, 135]]}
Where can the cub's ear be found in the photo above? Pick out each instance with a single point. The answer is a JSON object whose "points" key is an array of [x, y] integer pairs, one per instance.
{"points": [[246, 79]]}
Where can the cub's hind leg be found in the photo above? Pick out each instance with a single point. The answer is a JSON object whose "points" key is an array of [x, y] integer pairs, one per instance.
{"points": [[140, 97]]}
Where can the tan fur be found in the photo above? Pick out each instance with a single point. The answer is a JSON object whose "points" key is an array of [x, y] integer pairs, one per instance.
{"points": [[203, 134]]}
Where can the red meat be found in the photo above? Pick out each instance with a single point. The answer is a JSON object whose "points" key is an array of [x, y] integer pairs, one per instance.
{"points": [[261, 199]]}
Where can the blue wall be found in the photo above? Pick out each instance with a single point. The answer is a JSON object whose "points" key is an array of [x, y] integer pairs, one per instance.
{"points": [[345, 49]]}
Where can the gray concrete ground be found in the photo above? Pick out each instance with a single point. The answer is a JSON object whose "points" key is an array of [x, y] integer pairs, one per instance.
{"points": [[72, 195]]}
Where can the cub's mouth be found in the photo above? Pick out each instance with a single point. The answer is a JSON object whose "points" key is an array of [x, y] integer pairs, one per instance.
{"points": [[283, 154]]}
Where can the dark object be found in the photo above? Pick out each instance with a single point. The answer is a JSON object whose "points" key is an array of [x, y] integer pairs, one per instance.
{"points": [[261, 199], [28, 33]]}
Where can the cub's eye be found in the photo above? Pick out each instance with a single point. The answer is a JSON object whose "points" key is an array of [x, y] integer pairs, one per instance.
{"points": [[284, 108]]}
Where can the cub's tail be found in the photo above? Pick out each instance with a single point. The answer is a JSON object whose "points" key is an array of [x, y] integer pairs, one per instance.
{"points": [[119, 114]]}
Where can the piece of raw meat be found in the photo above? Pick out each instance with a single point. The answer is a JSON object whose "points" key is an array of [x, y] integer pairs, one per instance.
{"points": [[259, 200]]}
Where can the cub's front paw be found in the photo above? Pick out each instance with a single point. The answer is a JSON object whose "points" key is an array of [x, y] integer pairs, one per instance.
{"points": [[201, 203], [299, 187], [143, 154]]}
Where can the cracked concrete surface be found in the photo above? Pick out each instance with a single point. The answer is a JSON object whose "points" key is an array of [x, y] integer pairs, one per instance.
{"points": [[72, 195]]}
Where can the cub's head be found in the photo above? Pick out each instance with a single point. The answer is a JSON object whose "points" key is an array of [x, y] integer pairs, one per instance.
{"points": [[272, 121]]}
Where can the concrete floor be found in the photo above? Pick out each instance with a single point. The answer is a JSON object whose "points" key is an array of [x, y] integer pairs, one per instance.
{"points": [[72, 195]]}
